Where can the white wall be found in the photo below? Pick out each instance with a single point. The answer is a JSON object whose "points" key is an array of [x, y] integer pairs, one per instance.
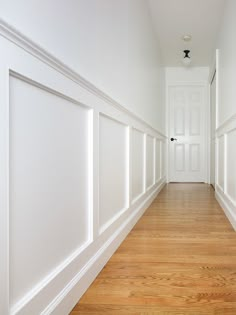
{"points": [[71, 184], [226, 109], [187, 74], [110, 43], [227, 63]]}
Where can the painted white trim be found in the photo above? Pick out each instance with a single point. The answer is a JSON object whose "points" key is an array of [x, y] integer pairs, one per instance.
{"points": [[90, 172], [46, 281], [79, 284], [154, 160], [4, 189], [227, 126], [226, 202], [22, 41], [216, 162], [217, 86], [145, 162], [187, 83], [95, 174], [227, 206], [92, 255], [137, 198], [213, 75], [225, 162], [208, 136], [168, 134]]}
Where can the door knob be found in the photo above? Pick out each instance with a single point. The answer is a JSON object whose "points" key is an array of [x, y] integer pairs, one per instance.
{"points": [[173, 139]]}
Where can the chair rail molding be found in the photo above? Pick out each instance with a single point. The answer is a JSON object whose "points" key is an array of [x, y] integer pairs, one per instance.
{"points": [[19, 39]]}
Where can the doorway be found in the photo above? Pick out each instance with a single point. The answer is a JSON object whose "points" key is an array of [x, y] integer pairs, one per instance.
{"points": [[187, 133]]}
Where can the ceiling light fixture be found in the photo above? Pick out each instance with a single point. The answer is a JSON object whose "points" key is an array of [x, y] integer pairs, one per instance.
{"points": [[187, 38], [186, 59]]}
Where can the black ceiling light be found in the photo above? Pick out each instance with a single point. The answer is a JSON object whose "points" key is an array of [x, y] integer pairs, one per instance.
{"points": [[186, 59]]}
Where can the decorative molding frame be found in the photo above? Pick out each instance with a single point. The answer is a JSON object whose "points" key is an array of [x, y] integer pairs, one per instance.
{"points": [[222, 195], [61, 289], [80, 283], [227, 206]]}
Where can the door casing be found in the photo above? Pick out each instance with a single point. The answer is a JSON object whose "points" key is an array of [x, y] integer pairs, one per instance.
{"points": [[205, 85]]}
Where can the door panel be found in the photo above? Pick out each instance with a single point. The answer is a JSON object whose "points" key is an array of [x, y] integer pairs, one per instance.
{"points": [[180, 157], [187, 127], [194, 122], [194, 157], [179, 121]]}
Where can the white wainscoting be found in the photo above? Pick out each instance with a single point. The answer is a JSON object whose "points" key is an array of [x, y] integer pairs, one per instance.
{"points": [[158, 156], [77, 171], [138, 155], [150, 158], [226, 168], [113, 170]]}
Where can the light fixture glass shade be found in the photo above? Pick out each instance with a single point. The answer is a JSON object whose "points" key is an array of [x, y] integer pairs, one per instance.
{"points": [[186, 59]]}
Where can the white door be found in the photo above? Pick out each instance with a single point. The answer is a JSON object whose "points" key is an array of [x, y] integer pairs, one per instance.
{"points": [[213, 128], [187, 114]]}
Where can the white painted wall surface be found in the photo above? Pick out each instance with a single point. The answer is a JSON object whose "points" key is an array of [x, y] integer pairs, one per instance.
{"points": [[225, 132], [227, 63], [110, 43], [71, 186]]}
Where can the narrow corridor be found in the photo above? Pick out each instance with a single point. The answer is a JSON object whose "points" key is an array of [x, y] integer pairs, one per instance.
{"points": [[180, 258]]}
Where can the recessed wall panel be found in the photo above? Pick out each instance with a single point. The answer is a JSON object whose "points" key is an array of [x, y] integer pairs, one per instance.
{"points": [[158, 160], [163, 159], [113, 159], [137, 163], [231, 165], [48, 183], [149, 161], [221, 162]]}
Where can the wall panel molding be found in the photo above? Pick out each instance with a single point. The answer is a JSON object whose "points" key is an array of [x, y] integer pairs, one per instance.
{"points": [[150, 161], [113, 170], [64, 282], [226, 126], [83, 279], [227, 206], [225, 168], [137, 164]]}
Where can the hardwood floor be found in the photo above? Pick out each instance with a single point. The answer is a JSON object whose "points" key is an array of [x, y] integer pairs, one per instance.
{"points": [[180, 258]]}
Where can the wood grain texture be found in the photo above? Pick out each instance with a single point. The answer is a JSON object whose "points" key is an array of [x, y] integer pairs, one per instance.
{"points": [[180, 258]]}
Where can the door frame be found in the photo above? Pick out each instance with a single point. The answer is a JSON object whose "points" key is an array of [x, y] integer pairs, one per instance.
{"points": [[214, 71], [205, 85]]}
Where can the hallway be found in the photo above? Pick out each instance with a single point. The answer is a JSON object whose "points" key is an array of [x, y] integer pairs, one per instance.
{"points": [[180, 258]]}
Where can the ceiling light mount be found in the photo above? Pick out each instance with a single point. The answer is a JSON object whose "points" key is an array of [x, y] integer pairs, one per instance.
{"points": [[186, 38]]}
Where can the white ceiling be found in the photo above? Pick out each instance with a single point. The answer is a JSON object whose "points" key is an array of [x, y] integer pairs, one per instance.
{"points": [[174, 18]]}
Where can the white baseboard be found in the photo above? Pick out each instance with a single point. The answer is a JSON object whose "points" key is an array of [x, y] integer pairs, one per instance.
{"points": [[66, 299], [227, 206]]}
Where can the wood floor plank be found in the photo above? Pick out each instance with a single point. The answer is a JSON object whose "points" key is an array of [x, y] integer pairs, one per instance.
{"points": [[180, 258]]}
